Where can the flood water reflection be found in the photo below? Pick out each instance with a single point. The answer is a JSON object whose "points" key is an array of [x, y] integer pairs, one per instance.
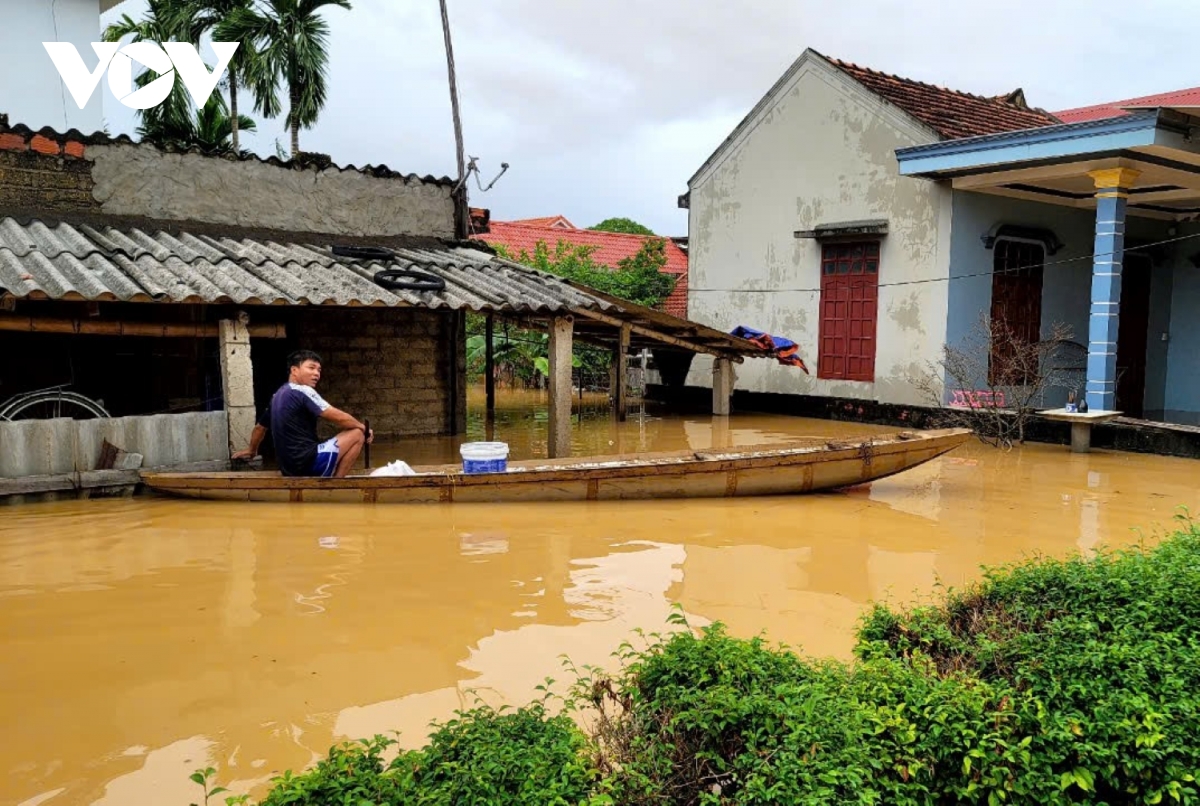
{"points": [[145, 638]]}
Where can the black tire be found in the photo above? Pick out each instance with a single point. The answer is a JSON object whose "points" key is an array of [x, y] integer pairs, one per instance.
{"points": [[418, 280], [364, 252]]}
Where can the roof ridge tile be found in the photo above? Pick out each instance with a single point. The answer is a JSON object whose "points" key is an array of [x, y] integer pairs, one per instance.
{"points": [[305, 160]]}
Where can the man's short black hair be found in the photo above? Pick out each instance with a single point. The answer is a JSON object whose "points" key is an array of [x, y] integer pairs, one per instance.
{"points": [[300, 356]]}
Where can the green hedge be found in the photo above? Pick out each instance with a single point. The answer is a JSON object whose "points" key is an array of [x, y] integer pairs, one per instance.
{"points": [[1049, 682]]}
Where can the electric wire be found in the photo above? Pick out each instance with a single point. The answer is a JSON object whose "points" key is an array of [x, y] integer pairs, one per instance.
{"points": [[989, 273]]}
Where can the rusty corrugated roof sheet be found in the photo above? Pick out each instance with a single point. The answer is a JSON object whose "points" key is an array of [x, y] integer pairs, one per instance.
{"points": [[39, 260]]}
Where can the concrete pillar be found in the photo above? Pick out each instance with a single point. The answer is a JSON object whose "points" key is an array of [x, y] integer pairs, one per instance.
{"points": [[620, 377], [1081, 437], [722, 387], [1112, 193], [721, 435], [237, 380], [561, 331]]}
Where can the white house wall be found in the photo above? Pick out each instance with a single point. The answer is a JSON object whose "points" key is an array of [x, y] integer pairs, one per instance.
{"points": [[36, 95], [821, 152]]}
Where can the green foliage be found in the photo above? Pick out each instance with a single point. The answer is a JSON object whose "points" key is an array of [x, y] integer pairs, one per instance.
{"points": [[205, 779], [522, 355], [515, 354], [1050, 682], [626, 225], [487, 757], [200, 17], [210, 130], [638, 279], [161, 22], [292, 42], [177, 122], [1101, 658], [720, 720], [353, 773], [481, 757]]}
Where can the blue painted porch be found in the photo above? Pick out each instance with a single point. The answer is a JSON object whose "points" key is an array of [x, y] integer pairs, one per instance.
{"points": [[1110, 206]]}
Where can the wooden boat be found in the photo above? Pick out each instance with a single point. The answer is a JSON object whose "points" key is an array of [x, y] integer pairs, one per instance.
{"points": [[788, 468]]}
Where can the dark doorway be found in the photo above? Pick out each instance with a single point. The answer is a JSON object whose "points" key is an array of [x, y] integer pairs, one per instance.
{"points": [[1132, 334]]}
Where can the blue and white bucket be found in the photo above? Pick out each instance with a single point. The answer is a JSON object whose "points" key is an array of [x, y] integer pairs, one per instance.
{"points": [[484, 457]]}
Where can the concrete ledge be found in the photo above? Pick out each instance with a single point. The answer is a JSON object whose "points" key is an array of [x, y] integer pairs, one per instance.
{"points": [[1122, 433], [1081, 424], [86, 483]]}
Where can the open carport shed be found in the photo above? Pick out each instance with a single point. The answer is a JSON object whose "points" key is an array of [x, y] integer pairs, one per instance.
{"points": [[110, 278]]}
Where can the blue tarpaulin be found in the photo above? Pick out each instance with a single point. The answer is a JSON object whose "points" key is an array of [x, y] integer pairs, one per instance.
{"points": [[786, 350]]}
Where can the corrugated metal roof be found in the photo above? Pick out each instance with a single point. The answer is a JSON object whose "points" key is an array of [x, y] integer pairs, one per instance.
{"points": [[104, 263]]}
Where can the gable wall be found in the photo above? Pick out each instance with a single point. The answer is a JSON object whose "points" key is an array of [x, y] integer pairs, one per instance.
{"points": [[821, 152]]}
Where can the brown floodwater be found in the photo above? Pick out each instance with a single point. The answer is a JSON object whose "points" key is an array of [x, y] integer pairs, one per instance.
{"points": [[145, 638]]}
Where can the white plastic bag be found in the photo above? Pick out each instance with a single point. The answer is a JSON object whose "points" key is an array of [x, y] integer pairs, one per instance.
{"points": [[394, 468]]}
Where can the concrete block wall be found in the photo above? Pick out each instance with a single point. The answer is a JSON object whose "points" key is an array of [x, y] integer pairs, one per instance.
{"points": [[388, 365], [47, 173], [48, 447]]}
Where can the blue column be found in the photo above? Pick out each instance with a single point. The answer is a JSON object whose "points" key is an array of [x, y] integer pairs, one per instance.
{"points": [[1112, 192]]}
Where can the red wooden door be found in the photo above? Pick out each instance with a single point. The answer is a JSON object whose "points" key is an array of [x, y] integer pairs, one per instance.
{"points": [[1016, 313], [849, 311]]}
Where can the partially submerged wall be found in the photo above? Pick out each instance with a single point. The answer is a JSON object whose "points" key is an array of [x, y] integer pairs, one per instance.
{"points": [[48, 447]]}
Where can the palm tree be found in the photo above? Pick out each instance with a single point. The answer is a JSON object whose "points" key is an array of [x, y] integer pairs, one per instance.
{"points": [[211, 129], [161, 23], [291, 41], [216, 128], [199, 17]]}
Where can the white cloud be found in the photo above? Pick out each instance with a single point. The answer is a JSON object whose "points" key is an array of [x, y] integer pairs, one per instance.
{"points": [[606, 109]]}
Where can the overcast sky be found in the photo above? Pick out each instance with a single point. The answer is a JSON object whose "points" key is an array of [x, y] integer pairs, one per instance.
{"points": [[606, 108]]}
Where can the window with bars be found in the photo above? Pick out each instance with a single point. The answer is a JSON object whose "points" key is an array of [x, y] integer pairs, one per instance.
{"points": [[849, 306], [1016, 315]]}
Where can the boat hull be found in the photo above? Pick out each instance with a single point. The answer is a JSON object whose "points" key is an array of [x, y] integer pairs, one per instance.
{"points": [[728, 473]]}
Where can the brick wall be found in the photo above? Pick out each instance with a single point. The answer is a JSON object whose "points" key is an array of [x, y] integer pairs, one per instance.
{"points": [[41, 173], [390, 366]]}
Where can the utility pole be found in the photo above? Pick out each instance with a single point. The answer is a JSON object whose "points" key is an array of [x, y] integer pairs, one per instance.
{"points": [[461, 211]]}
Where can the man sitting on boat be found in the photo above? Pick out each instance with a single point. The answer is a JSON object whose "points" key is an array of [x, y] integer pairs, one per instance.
{"points": [[292, 420]]}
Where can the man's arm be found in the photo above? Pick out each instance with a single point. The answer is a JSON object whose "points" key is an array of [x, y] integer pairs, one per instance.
{"points": [[256, 438], [343, 420]]}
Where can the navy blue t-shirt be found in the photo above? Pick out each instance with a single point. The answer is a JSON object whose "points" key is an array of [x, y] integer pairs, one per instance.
{"points": [[292, 421]]}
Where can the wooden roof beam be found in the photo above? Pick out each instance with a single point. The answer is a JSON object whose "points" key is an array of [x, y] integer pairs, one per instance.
{"points": [[684, 344]]}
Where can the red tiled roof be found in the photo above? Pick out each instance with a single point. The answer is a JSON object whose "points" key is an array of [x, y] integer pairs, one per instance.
{"points": [[676, 303], [1112, 109], [555, 221], [950, 113], [610, 249]]}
